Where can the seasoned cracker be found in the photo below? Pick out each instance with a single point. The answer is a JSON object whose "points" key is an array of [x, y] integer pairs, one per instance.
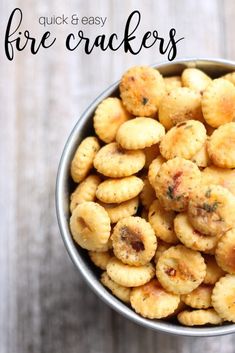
{"points": [[140, 133], [192, 238], [141, 90], [180, 270], [106, 247], [115, 162], [221, 146], [183, 140], [147, 195], [119, 190], [85, 191], [199, 317], [90, 226], [175, 182], [199, 298], [109, 116], [201, 157], [179, 105], [218, 102], [219, 176], [162, 222], [195, 79], [225, 252], [121, 292], [100, 258], [212, 209], [161, 247], [154, 168], [152, 301], [83, 158], [134, 241], [117, 211], [213, 271], [129, 276], [230, 77], [223, 297], [172, 82]]}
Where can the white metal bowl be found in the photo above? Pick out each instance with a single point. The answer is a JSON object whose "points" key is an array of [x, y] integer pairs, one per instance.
{"points": [[64, 185]]}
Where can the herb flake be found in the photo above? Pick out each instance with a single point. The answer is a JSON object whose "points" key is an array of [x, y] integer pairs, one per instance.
{"points": [[210, 208], [208, 193], [145, 100], [170, 192]]}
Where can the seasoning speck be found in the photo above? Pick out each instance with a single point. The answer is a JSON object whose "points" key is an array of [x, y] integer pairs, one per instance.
{"points": [[144, 100]]}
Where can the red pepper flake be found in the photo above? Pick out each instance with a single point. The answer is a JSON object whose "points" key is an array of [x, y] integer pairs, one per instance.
{"points": [[177, 181], [133, 238], [170, 272], [137, 245], [172, 189]]}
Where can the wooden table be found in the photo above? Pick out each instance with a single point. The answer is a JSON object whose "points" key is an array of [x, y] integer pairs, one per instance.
{"points": [[45, 306]]}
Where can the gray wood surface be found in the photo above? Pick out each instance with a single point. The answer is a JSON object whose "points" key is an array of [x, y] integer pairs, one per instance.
{"points": [[45, 306]]}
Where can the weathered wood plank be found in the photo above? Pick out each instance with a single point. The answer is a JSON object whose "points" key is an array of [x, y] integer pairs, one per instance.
{"points": [[228, 26]]}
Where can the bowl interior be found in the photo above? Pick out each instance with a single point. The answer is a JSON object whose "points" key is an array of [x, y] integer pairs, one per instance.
{"points": [[65, 186]]}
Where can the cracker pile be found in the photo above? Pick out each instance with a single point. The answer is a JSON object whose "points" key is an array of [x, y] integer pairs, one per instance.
{"points": [[155, 200]]}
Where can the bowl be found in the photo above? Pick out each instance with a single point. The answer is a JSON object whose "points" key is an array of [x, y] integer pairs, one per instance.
{"points": [[64, 185]]}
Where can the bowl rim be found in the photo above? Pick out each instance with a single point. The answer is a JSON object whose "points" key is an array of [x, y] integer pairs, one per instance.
{"points": [[61, 200]]}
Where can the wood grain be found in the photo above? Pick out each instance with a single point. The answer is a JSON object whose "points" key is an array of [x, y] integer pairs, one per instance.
{"points": [[45, 306]]}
